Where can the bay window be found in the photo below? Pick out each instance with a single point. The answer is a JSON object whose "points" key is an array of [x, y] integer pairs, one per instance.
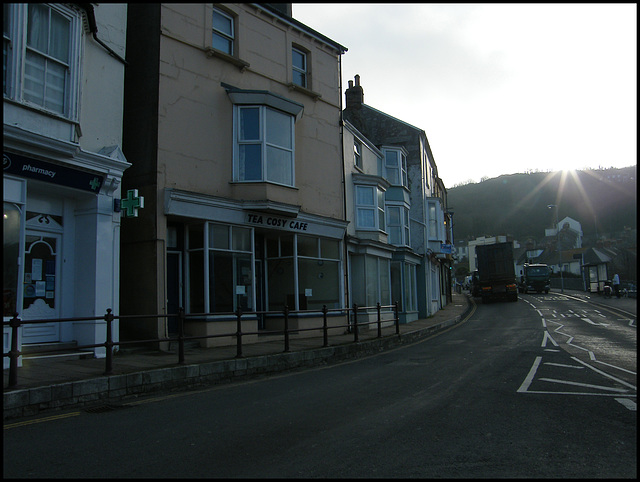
{"points": [[398, 224], [369, 208], [395, 164], [264, 149]]}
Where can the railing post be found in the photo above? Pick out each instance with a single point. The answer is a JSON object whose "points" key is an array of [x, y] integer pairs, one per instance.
{"points": [[379, 321], [397, 320], [108, 318], [355, 323], [239, 333], [181, 335], [325, 333], [14, 353], [286, 328]]}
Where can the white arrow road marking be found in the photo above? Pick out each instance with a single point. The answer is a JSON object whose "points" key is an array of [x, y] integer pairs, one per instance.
{"points": [[593, 322], [547, 336]]}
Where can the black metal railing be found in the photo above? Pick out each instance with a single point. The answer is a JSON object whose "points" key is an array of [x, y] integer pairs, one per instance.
{"points": [[351, 325]]}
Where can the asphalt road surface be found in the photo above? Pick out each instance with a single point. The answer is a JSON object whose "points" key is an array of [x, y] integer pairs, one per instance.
{"points": [[545, 387]]}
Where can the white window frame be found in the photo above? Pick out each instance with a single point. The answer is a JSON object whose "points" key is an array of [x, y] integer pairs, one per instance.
{"points": [[399, 166], [304, 71], [225, 36], [402, 227], [15, 47], [357, 154], [433, 231], [375, 209], [264, 143]]}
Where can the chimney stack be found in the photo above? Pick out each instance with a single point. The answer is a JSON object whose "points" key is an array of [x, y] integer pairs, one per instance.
{"points": [[354, 94]]}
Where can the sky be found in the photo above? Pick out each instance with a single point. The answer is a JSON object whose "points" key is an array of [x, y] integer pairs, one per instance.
{"points": [[497, 88]]}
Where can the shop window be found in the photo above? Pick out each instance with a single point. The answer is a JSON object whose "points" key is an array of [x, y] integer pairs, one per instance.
{"points": [[371, 280], [220, 278], [11, 254]]}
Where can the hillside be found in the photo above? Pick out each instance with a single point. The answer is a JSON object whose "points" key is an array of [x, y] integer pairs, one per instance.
{"points": [[517, 204]]}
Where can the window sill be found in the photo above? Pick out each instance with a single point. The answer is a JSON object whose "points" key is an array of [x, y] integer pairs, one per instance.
{"points": [[304, 90], [241, 64]]}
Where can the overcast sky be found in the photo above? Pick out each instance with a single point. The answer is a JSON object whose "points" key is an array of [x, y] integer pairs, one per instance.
{"points": [[498, 88]]}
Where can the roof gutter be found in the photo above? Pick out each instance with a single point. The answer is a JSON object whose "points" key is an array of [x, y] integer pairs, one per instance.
{"points": [[93, 28]]}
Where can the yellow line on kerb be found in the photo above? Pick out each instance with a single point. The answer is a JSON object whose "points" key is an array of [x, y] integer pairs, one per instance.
{"points": [[40, 420]]}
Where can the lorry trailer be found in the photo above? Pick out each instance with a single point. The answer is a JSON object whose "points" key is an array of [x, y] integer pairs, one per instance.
{"points": [[496, 272]]}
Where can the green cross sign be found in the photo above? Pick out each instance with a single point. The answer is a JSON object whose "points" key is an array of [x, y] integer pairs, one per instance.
{"points": [[132, 203], [94, 183]]}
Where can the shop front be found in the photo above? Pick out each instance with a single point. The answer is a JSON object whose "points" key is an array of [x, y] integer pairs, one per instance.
{"points": [[258, 258], [61, 242]]}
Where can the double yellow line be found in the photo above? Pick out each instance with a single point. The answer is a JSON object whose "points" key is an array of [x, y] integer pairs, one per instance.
{"points": [[39, 420]]}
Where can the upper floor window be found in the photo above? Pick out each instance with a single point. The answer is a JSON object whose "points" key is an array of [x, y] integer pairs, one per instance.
{"points": [[223, 32], [264, 147], [398, 225], [299, 65], [46, 38], [370, 208], [433, 221], [357, 154], [395, 164]]}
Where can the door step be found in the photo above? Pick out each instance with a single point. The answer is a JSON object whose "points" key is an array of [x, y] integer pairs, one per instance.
{"points": [[65, 350]]}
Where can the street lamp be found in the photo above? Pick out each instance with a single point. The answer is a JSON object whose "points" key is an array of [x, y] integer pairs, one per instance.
{"points": [[558, 246]]}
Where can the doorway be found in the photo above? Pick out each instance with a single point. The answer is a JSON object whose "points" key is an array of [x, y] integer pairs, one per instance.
{"points": [[41, 286]]}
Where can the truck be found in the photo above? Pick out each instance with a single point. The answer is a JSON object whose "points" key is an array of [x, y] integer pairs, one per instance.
{"points": [[496, 272], [535, 277]]}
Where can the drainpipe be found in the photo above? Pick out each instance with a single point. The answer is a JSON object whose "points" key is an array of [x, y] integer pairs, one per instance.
{"points": [[93, 28], [344, 189]]}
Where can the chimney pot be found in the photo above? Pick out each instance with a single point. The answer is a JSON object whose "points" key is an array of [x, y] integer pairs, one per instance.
{"points": [[357, 79]]}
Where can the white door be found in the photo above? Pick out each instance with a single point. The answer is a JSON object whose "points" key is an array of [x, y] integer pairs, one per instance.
{"points": [[41, 286]]}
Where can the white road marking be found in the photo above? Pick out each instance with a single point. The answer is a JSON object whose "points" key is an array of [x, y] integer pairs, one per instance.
{"points": [[532, 372], [593, 322], [604, 374], [563, 365], [630, 404], [587, 385], [547, 336]]}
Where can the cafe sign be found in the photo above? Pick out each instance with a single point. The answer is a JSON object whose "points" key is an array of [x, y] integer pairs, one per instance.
{"points": [[269, 221]]}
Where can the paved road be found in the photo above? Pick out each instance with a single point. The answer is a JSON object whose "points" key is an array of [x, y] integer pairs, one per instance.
{"points": [[469, 402]]}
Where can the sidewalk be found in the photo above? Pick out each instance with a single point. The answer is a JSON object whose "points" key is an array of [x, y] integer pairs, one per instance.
{"points": [[55, 383]]}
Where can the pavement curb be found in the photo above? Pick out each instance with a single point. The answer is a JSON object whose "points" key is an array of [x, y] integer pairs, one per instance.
{"points": [[115, 389]]}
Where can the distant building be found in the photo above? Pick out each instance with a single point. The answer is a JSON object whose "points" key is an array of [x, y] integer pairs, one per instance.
{"points": [[419, 222]]}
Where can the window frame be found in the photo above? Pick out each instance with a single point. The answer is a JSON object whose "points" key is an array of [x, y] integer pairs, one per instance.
{"points": [[15, 63], [264, 142], [357, 154], [400, 166], [228, 37], [303, 72], [376, 208], [403, 227]]}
